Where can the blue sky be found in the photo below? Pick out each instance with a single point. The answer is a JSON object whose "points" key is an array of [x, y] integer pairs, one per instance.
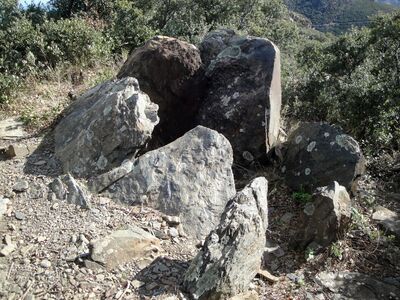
{"points": [[26, 2]]}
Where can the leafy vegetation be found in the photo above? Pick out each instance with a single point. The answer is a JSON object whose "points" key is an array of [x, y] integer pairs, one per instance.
{"points": [[354, 82], [351, 80]]}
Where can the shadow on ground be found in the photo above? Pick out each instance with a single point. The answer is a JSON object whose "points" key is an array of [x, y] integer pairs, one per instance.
{"points": [[162, 276]]}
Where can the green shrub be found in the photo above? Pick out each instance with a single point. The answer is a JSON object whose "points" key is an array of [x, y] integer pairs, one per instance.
{"points": [[73, 41], [302, 197]]}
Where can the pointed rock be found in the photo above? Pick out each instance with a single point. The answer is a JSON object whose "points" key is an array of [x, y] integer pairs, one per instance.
{"points": [[231, 255]]}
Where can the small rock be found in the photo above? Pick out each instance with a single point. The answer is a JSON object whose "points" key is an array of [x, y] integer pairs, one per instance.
{"points": [[7, 250], [268, 276], [172, 220], [388, 219], [20, 186], [83, 239], [173, 232], [41, 239], [287, 217], [136, 284], [45, 264], [7, 239], [4, 202], [19, 216]]}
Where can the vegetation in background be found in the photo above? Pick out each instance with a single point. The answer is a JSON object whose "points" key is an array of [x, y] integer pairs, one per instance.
{"points": [[338, 15], [355, 82], [351, 80]]}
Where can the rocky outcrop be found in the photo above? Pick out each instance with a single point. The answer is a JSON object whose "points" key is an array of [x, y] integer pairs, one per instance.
{"points": [[243, 99], [190, 178], [124, 246], [231, 255], [356, 286], [325, 218], [316, 154], [170, 72], [66, 188], [103, 126]]}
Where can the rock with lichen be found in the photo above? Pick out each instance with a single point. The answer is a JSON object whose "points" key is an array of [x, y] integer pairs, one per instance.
{"points": [[317, 154]]}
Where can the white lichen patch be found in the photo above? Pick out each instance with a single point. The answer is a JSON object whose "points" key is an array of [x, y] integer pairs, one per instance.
{"points": [[225, 100], [326, 134], [235, 95], [101, 162], [307, 171], [283, 169], [299, 138], [311, 146], [347, 142]]}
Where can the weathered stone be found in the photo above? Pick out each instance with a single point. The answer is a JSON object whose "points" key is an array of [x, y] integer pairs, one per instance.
{"points": [[4, 202], [104, 126], [325, 218], [190, 178], [243, 100], [317, 154], [8, 249], [356, 286], [19, 151], [12, 129], [66, 188], [45, 264], [19, 216], [388, 219], [170, 72], [20, 186], [231, 254], [123, 246], [103, 181]]}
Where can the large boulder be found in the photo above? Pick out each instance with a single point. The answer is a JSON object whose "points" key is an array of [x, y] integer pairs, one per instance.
{"points": [[316, 154], [103, 126], [231, 255], [190, 178], [243, 98], [325, 218], [170, 72]]}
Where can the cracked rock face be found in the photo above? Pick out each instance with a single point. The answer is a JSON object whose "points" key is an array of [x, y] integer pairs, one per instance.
{"points": [[231, 255], [325, 218], [103, 126], [316, 154], [190, 178], [243, 99]]}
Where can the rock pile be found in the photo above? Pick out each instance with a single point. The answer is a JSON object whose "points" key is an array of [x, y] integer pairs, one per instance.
{"points": [[172, 147]]}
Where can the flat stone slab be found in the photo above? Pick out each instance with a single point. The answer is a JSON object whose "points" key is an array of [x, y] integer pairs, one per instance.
{"points": [[11, 129]]}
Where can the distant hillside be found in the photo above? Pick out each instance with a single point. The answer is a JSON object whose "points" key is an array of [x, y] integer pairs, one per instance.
{"points": [[339, 15], [391, 2]]}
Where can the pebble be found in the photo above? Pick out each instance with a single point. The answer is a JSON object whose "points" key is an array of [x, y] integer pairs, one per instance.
{"points": [[7, 250], [19, 215], [173, 232], [20, 186], [45, 264], [40, 163], [172, 220], [83, 239]]}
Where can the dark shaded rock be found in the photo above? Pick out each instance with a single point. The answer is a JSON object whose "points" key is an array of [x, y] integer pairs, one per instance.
{"points": [[356, 286], [243, 99], [214, 43], [170, 72], [316, 154], [66, 188], [231, 254], [103, 126], [190, 178], [325, 218]]}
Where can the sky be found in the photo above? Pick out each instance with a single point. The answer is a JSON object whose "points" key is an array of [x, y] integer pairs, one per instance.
{"points": [[26, 2]]}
